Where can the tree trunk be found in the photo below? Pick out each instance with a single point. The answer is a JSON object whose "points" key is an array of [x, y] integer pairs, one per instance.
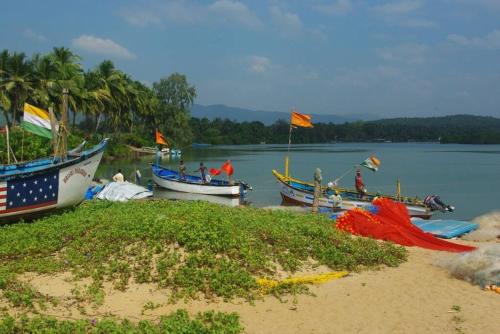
{"points": [[14, 111], [6, 115]]}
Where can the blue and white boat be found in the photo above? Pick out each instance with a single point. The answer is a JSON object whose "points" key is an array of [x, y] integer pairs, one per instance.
{"points": [[39, 186], [170, 179]]}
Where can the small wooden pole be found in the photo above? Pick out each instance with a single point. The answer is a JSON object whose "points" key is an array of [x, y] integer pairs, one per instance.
{"points": [[317, 190], [53, 126], [8, 143]]}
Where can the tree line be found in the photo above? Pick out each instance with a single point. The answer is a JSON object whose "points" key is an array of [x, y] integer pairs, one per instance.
{"points": [[465, 129], [108, 101]]}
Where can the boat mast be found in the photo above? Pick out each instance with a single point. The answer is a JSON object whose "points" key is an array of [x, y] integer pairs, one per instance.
{"points": [[64, 125]]}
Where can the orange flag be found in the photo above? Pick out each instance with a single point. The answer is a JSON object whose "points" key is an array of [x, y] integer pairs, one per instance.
{"points": [[301, 120], [160, 139]]}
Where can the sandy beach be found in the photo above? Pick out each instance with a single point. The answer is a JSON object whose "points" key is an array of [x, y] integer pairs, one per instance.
{"points": [[416, 297]]}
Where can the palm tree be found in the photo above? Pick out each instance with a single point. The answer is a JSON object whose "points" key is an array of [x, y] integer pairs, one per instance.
{"points": [[16, 83], [69, 76]]}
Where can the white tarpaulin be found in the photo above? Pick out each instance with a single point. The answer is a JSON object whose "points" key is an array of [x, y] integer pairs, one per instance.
{"points": [[123, 191]]}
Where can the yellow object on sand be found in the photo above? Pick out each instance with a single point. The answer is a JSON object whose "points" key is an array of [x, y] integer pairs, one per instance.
{"points": [[267, 284]]}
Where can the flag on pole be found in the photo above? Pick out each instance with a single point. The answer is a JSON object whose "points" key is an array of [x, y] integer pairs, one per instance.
{"points": [[160, 139], [37, 121], [226, 167], [371, 163], [301, 120]]}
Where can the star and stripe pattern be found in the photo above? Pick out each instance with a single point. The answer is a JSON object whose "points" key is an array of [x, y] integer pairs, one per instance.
{"points": [[30, 193]]}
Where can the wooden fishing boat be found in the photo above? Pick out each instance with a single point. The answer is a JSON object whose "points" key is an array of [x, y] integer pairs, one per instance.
{"points": [[171, 179], [39, 186], [297, 192]]}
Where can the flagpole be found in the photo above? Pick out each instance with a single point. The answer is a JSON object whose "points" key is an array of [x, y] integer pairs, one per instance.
{"points": [[288, 150], [8, 143]]}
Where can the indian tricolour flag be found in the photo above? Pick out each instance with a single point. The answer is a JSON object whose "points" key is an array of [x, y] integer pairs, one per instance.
{"points": [[371, 163], [36, 120]]}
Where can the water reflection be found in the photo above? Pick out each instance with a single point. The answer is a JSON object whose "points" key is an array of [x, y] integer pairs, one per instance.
{"points": [[174, 195]]}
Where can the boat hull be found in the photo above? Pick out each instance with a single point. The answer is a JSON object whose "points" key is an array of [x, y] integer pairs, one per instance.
{"points": [[171, 180], [72, 179], [294, 196]]}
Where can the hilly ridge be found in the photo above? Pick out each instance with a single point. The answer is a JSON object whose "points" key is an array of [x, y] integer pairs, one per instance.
{"points": [[237, 114]]}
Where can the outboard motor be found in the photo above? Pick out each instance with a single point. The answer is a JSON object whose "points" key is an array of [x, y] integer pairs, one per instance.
{"points": [[435, 204]]}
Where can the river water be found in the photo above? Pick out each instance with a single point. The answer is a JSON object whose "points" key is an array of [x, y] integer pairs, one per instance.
{"points": [[465, 176]]}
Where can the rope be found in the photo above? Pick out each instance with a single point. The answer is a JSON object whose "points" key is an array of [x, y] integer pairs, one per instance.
{"points": [[268, 284]]}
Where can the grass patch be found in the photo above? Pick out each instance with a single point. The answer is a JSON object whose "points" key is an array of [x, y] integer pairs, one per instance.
{"points": [[175, 323], [192, 248]]}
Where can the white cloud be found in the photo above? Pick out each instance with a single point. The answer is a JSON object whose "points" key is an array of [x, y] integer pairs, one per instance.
{"points": [[102, 46], [36, 37], [140, 18], [402, 13], [398, 7], [405, 53], [235, 11], [417, 23], [259, 64], [288, 22], [489, 41], [337, 7], [156, 14]]}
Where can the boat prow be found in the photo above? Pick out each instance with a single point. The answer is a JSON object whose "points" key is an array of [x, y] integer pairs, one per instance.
{"points": [[43, 185]]}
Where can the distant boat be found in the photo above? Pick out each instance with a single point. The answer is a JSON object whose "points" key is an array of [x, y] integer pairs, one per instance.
{"points": [[170, 179], [200, 145], [39, 186], [298, 192]]}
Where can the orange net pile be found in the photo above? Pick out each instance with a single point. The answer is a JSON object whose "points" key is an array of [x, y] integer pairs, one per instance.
{"points": [[391, 222]]}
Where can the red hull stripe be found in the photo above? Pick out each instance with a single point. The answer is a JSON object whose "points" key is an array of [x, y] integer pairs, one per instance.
{"points": [[25, 208]]}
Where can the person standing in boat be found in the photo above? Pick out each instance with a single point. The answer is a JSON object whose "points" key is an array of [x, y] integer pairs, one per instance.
{"points": [[360, 186], [203, 172], [118, 177], [182, 170]]}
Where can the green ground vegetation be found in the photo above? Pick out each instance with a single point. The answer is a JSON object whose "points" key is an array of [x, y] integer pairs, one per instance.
{"points": [[175, 323], [194, 249]]}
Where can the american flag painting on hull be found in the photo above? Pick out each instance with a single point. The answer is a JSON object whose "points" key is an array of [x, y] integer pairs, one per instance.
{"points": [[29, 193]]}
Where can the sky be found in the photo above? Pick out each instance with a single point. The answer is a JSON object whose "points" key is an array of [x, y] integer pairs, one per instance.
{"points": [[398, 58]]}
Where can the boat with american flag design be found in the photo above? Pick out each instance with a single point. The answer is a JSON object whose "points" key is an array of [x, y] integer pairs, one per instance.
{"points": [[36, 187]]}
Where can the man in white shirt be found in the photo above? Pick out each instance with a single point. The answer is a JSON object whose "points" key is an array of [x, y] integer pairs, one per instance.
{"points": [[118, 177], [337, 201]]}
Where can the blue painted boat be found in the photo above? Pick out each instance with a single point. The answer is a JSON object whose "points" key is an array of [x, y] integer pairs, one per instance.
{"points": [[445, 228]]}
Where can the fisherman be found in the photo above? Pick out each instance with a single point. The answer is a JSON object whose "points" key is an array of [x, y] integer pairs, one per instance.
{"points": [[203, 172], [182, 170], [360, 186], [118, 177], [138, 176], [337, 201]]}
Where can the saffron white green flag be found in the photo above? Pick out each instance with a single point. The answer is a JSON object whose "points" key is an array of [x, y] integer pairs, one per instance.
{"points": [[36, 120], [371, 163]]}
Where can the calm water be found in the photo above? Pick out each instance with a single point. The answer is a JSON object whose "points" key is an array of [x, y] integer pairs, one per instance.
{"points": [[466, 176]]}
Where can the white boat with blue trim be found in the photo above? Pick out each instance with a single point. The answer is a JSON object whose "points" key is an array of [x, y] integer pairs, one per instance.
{"points": [[170, 179]]}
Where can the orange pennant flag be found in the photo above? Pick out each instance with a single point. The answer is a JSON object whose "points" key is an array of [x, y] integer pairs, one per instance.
{"points": [[301, 120], [160, 139]]}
